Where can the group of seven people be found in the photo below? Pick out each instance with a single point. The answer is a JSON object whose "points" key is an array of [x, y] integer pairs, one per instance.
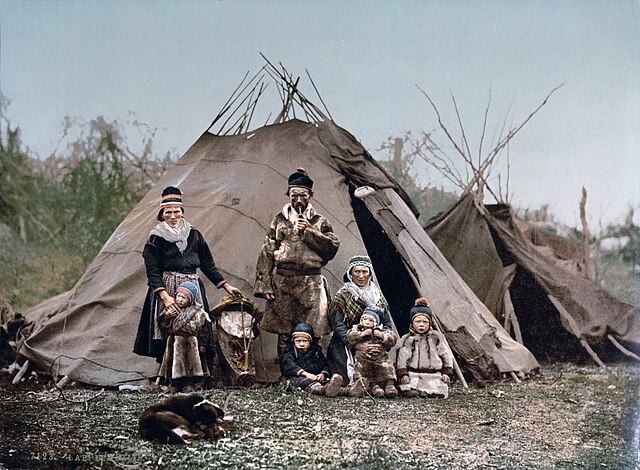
{"points": [[175, 327]]}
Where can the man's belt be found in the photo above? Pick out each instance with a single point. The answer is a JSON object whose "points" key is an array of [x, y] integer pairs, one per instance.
{"points": [[421, 370], [283, 271]]}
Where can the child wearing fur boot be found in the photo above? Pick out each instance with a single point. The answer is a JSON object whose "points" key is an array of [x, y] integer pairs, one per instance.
{"points": [[424, 361], [184, 365], [373, 366], [305, 366]]}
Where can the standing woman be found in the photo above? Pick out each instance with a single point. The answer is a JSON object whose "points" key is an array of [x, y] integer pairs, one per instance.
{"points": [[358, 292], [173, 253]]}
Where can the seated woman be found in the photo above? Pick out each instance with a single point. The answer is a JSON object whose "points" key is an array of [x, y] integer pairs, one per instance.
{"points": [[358, 292]]}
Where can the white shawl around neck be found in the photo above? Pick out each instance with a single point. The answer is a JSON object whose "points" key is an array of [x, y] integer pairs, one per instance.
{"points": [[176, 235], [369, 294]]}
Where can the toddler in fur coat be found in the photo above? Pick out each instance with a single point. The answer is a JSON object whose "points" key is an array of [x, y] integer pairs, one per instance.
{"points": [[424, 361], [184, 364], [372, 363]]}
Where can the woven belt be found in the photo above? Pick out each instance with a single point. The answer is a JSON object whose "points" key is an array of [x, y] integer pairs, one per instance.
{"points": [[425, 371], [282, 271]]}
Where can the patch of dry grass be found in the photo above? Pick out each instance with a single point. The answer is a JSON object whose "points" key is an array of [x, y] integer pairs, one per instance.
{"points": [[567, 417]]}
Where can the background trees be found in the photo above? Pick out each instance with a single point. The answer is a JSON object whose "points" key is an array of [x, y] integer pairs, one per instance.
{"points": [[56, 213]]}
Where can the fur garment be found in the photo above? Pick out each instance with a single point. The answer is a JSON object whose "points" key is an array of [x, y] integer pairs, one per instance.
{"points": [[289, 267]]}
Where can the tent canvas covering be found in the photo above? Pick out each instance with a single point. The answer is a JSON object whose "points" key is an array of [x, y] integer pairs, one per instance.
{"points": [[233, 186], [555, 309]]}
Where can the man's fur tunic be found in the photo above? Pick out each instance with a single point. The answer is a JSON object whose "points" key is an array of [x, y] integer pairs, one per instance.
{"points": [[289, 268]]}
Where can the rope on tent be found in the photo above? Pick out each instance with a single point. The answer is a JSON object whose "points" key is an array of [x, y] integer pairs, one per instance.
{"points": [[576, 330], [58, 360], [622, 349]]}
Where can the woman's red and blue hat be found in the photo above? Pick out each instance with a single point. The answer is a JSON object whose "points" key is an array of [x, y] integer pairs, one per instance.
{"points": [[171, 196]]}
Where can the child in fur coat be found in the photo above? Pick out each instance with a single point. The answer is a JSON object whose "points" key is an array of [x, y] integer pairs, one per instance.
{"points": [[424, 361], [372, 363], [304, 365], [184, 365]]}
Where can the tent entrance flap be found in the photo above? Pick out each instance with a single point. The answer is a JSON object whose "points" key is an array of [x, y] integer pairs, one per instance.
{"points": [[391, 273], [473, 333]]}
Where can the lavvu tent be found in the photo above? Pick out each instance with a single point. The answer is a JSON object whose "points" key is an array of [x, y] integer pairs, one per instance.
{"points": [[234, 180]]}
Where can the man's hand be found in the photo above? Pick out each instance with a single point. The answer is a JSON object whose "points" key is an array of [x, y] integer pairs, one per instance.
{"points": [[445, 378], [268, 297], [302, 224], [404, 380]]}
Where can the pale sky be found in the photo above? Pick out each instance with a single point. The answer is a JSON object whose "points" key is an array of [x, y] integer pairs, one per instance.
{"points": [[174, 64]]}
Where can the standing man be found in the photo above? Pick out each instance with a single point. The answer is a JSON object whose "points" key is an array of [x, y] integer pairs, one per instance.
{"points": [[288, 274]]}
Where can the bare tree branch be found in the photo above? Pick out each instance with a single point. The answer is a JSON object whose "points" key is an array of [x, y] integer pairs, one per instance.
{"points": [[441, 124], [484, 128], [463, 135]]}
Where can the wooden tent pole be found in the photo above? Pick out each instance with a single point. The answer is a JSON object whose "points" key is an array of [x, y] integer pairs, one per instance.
{"points": [[63, 382], [21, 372], [576, 330], [456, 367], [622, 349], [511, 315]]}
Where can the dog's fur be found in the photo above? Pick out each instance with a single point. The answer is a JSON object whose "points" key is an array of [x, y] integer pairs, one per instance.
{"points": [[181, 419]]}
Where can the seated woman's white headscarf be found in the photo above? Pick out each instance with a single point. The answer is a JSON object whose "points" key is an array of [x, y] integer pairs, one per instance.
{"points": [[369, 294]]}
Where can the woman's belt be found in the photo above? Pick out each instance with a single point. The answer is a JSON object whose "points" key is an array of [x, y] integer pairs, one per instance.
{"points": [[284, 271]]}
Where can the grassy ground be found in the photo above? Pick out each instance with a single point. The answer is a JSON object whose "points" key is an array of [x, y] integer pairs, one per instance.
{"points": [[567, 417]]}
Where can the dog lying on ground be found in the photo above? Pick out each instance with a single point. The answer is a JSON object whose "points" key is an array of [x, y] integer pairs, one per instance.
{"points": [[181, 419]]}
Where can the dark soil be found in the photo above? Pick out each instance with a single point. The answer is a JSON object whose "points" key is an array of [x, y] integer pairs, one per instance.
{"points": [[568, 417]]}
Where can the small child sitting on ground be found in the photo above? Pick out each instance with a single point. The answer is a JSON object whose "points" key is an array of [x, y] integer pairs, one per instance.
{"points": [[305, 366], [424, 361], [183, 365], [372, 363]]}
